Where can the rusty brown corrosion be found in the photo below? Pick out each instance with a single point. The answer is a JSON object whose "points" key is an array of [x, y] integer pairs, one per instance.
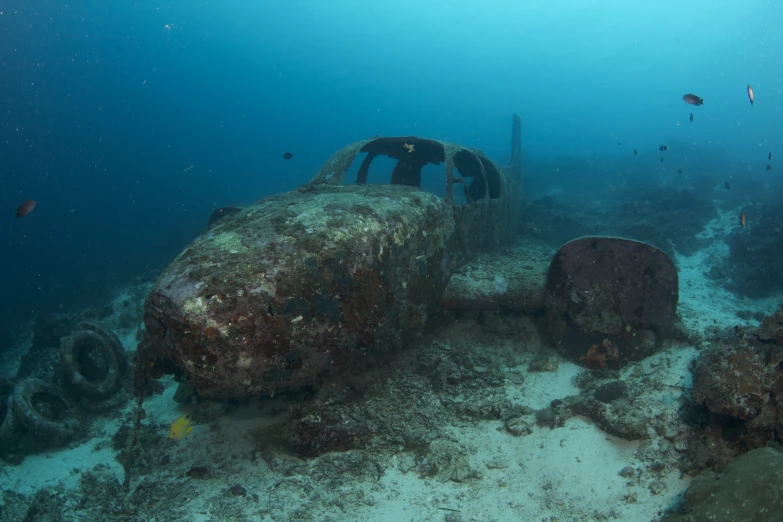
{"points": [[271, 297]]}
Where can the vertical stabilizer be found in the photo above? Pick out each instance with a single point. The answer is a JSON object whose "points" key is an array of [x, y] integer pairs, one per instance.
{"points": [[515, 165]]}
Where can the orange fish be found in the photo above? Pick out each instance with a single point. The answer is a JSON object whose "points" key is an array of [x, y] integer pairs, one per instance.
{"points": [[743, 221], [750, 94], [25, 208]]}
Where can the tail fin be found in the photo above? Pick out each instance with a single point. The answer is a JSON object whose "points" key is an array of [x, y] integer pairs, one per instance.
{"points": [[515, 165]]}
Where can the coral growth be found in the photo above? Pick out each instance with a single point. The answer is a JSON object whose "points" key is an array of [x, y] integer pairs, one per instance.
{"points": [[753, 266], [668, 218], [598, 355], [740, 385], [748, 489]]}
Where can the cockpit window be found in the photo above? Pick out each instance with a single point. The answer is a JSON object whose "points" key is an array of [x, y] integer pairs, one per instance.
{"points": [[467, 175]]}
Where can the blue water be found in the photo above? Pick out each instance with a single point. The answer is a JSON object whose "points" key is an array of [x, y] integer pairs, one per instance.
{"points": [[129, 122]]}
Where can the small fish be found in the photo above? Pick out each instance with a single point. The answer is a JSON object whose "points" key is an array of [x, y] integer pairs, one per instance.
{"points": [[662, 148], [692, 99], [679, 171], [619, 143], [770, 156], [751, 96], [661, 159], [287, 155], [25, 208], [727, 185], [691, 117], [181, 427], [743, 221], [769, 167], [635, 152]]}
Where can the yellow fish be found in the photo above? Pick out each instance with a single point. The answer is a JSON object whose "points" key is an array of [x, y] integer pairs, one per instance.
{"points": [[181, 427]]}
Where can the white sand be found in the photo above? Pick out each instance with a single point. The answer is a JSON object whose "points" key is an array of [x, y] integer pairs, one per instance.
{"points": [[704, 305], [62, 466]]}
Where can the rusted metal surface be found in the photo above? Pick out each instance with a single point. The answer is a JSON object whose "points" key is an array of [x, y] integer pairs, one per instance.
{"points": [[274, 295], [610, 300]]}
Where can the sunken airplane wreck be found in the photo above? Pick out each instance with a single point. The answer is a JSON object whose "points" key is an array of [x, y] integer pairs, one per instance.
{"points": [[271, 296]]}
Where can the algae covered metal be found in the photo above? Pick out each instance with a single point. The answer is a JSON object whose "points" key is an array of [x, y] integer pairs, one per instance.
{"points": [[272, 296], [610, 300]]}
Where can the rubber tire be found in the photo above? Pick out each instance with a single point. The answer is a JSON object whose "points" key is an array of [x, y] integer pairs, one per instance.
{"points": [[56, 431], [112, 351], [9, 425]]}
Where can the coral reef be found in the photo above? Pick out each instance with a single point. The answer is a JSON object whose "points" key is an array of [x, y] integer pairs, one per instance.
{"points": [[738, 396], [621, 406], [315, 434], [747, 490], [667, 218], [363, 410], [554, 222], [610, 300], [770, 331], [753, 266], [737, 382]]}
